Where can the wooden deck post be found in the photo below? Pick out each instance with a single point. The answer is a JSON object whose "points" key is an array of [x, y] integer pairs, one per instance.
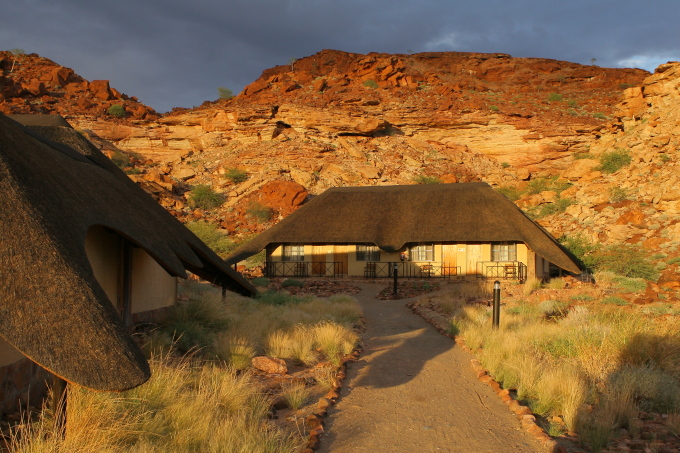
{"points": [[59, 400]]}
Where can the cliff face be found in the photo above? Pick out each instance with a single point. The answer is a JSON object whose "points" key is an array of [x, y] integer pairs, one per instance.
{"points": [[525, 112]]}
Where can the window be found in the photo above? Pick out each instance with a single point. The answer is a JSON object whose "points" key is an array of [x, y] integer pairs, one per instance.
{"points": [[293, 252], [422, 252], [368, 253], [503, 251]]}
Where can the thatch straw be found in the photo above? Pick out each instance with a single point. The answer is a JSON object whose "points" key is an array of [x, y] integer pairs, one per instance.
{"points": [[392, 216], [52, 308]]}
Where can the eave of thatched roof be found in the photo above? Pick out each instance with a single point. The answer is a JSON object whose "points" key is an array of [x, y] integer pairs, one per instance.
{"points": [[392, 216], [55, 185]]}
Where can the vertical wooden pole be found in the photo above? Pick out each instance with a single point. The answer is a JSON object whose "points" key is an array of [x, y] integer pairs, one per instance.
{"points": [[59, 399]]}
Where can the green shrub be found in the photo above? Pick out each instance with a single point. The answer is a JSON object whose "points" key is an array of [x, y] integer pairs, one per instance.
{"points": [[276, 298], [511, 193], [626, 260], [630, 285], [554, 97], [116, 110], [613, 161], [599, 115], [572, 103], [617, 194], [560, 205], [235, 175], [260, 281], [292, 282], [538, 185], [212, 237], [674, 260], [614, 300], [225, 93], [580, 247], [494, 108], [665, 158], [505, 164], [425, 179], [370, 83], [203, 197], [259, 211]]}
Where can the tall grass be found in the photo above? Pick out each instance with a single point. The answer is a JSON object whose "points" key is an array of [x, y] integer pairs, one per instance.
{"points": [[207, 401], [572, 359], [183, 408]]}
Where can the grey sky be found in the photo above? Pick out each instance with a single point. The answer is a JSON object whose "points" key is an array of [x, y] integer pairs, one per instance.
{"points": [[175, 53]]}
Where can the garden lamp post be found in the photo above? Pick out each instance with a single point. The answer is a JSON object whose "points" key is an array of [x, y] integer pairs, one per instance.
{"points": [[395, 272], [496, 304]]}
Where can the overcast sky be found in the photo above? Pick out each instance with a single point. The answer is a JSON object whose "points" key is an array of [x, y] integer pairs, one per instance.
{"points": [[175, 53]]}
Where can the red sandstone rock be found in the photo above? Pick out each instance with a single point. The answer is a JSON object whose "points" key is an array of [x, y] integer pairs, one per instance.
{"points": [[270, 365]]}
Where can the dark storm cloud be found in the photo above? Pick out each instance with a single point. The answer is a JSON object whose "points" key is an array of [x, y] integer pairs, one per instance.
{"points": [[176, 53]]}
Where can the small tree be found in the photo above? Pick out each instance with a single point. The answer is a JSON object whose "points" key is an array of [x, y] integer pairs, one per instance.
{"points": [[291, 62], [225, 93], [203, 197], [236, 176], [260, 212], [116, 110], [18, 55]]}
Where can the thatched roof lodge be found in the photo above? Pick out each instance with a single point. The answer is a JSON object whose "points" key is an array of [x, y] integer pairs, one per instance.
{"points": [[82, 245], [465, 229]]}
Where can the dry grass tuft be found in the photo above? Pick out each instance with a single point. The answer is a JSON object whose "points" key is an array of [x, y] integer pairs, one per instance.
{"points": [[183, 408], [296, 393]]}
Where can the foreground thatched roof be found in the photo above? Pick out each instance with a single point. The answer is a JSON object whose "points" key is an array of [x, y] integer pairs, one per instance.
{"points": [[392, 216], [55, 185]]}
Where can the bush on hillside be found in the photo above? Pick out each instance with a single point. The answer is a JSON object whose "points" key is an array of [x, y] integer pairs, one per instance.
{"points": [[116, 110], [613, 161], [203, 197]]}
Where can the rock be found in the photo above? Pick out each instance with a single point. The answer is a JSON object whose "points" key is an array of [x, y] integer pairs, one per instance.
{"points": [[270, 365], [36, 88], [283, 196], [579, 168], [368, 172], [183, 173], [101, 90]]}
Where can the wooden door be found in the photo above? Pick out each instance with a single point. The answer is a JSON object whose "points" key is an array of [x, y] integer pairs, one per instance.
{"points": [[341, 258], [474, 255], [449, 252], [319, 260]]}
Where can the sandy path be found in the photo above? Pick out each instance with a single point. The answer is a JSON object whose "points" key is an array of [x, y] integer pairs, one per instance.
{"points": [[413, 390]]}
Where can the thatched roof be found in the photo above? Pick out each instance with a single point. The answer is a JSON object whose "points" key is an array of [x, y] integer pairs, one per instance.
{"points": [[392, 216], [55, 185]]}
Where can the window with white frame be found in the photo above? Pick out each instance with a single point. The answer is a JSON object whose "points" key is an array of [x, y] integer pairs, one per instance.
{"points": [[503, 251], [368, 253], [422, 252], [293, 252]]}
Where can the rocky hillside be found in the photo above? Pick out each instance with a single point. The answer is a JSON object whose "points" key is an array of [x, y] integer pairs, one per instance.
{"points": [[33, 84], [537, 129], [337, 118]]}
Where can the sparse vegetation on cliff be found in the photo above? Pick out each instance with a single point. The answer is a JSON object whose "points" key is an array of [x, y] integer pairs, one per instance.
{"points": [[116, 110], [613, 161], [203, 197]]}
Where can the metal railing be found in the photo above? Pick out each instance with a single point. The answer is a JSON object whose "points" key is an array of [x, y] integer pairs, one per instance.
{"points": [[407, 269], [303, 269], [504, 270]]}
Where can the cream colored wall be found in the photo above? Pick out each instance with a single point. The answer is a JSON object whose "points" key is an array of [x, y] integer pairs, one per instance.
{"points": [[356, 268], [8, 353], [152, 286], [101, 247]]}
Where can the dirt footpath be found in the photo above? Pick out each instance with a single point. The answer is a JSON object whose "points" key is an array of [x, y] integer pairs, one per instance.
{"points": [[413, 390]]}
